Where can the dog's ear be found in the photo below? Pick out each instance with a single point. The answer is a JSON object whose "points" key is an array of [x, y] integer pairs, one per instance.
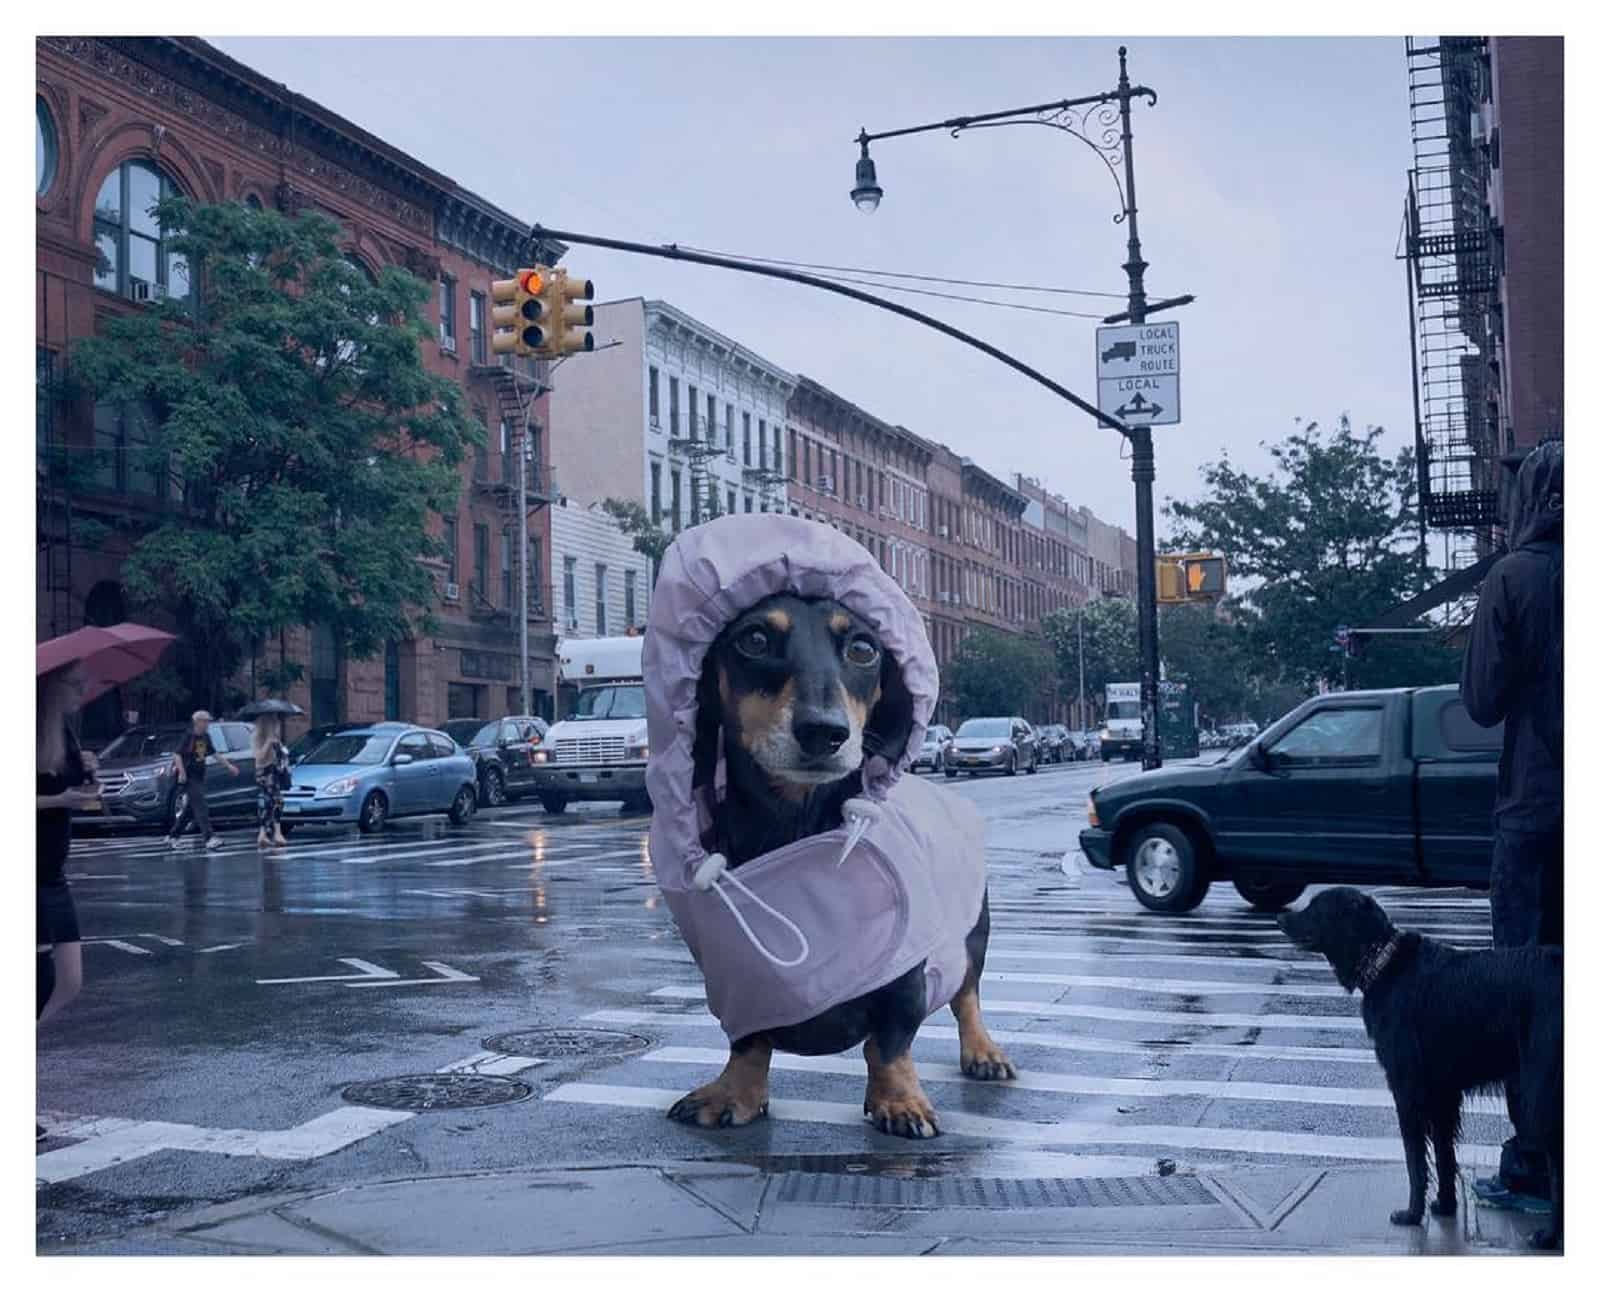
{"points": [[888, 727], [707, 720]]}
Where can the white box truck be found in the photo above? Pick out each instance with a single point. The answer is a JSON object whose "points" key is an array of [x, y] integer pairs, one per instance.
{"points": [[1122, 736], [598, 751]]}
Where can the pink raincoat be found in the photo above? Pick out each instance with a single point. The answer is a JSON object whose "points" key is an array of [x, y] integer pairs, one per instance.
{"points": [[788, 935]]}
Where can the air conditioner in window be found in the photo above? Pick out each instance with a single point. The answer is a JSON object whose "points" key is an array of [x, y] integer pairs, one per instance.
{"points": [[861, 501], [955, 598], [944, 531], [824, 484], [139, 289], [447, 344], [452, 591]]}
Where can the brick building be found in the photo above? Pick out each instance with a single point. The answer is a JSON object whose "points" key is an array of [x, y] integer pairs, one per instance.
{"points": [[123, 120]]}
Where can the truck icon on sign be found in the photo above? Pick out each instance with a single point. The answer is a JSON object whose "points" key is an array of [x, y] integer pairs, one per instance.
{"points": [[1121, 350]]}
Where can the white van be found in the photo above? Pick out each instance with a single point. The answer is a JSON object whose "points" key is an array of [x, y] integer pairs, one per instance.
{"points": [[598, 751]]}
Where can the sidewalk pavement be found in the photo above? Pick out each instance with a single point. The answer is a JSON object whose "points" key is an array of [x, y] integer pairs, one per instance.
{"points": [[839, 1206]]}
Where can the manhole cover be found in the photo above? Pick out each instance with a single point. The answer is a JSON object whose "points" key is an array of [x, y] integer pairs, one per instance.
{"points": [[556, 1043], [436, 1092], [866, 1190]]}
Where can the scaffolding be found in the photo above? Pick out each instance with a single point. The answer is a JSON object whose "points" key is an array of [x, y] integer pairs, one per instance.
{"points": [[1451, 250]]}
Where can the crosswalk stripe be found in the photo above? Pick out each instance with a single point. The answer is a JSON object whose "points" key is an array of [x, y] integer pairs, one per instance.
{"points": [[1051, 1083], [1251, 1021], [1065, 1134], [1038, 1040], [1317, 965], [1167, 986]]}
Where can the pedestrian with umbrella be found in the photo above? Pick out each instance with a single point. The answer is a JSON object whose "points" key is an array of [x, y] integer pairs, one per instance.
{"points": [[71, 671], [272, 765]]}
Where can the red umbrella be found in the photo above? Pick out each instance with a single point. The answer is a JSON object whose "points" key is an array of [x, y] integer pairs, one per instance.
{"points": [[109, 656]]}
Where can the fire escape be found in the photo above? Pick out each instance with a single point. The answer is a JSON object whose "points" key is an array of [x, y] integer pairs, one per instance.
{"points": [[699, 450], [1452, 254], [516, 384]]}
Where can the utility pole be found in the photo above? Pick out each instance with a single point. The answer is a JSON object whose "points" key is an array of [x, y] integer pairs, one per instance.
{"points": [[522, 554], [1083, 713]]}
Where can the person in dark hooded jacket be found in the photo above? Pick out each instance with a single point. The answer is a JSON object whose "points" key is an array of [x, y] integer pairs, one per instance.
{"points": [[1513, 674]]}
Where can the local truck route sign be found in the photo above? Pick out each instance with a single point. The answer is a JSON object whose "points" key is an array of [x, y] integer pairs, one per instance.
{"points": [[1137, 368]]}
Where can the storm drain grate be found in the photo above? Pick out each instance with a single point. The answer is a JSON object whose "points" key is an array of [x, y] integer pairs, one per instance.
{"points": [[990, 1194], [556, 1043], [436, 1092]]}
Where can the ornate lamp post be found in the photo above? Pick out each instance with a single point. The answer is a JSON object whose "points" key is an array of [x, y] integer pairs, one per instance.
{"points": [[1103, 124]]}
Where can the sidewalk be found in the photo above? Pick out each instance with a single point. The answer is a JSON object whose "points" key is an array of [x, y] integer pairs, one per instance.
{"points": [[839, 1206]]}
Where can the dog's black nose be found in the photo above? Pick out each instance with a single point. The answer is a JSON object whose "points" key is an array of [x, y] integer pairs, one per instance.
{"points": [[821, 735]]}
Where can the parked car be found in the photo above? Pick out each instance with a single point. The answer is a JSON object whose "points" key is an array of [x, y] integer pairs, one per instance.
{"points": [[1005, 744], [1052, 743], [313, 737], [931, 754], [1075, 746], [501, 748], [139, 786], [370, 774], [1378, 786]]}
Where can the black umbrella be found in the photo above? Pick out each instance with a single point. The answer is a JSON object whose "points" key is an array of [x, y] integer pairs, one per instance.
{"points": [[269, 708]]}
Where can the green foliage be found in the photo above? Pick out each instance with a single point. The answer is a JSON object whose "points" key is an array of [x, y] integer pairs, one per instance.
{"points": [[1329, 537], [650, 539], [997, 674], [305, 445], [1110, 647]]}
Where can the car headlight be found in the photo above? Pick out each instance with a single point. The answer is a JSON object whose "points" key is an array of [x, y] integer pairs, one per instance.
{"points": [[341, 788], [998, 748], [638, 749], [540, 755], [149, 773]]}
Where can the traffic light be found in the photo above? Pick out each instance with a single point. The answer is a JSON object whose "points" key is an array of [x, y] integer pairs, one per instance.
{"points": [[569, 322], [1199, 576], [521, 321], [1169, 580]]}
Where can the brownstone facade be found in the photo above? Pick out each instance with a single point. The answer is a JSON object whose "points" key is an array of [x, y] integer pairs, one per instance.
{"points": [[175, 113]]}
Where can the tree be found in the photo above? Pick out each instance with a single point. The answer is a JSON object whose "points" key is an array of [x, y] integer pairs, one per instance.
{"points": [[1330, 537], [1209, 654], [299, 442], [999, 674], [650, 540], [1110, 646]]}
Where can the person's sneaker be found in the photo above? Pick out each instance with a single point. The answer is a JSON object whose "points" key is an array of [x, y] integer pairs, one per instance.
{"points": [[213, 843], [1493, 1193]]}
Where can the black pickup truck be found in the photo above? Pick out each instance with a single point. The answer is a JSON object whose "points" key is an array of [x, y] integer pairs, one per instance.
{"points": [[1373, 786]]}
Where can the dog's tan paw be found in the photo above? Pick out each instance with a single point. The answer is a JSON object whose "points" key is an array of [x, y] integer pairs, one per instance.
{"points": [[987, 1061], [718, 1107], [905, 1115]]}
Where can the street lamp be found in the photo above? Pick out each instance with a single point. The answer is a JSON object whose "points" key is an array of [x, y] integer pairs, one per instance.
{"points": [[866, 194], [1102, 123]]}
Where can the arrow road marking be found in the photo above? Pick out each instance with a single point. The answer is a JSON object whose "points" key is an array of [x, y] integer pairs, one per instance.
{"points": [[365, 971], [444, 971]]}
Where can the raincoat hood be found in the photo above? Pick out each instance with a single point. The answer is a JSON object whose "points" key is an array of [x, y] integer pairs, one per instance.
{"points": [[785, 936], [1536, 501]]}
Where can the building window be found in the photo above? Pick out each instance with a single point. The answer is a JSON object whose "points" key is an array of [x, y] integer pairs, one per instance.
{"points": [[672, 406], [655, 492], [461, 700], [749, 504], [122, 451], [677, 500], [324, 675], [480, 353], [694, 501], [447, 315], [727, 426], [46, 147], [480, 560], [535, 573], [508, 462], [655, 396], [450, 550], [508, 544], [761, 461], [630, 593], [733, 503], [711, 419], [569, 589], [806, 463], [600, 600], [133, 258]]}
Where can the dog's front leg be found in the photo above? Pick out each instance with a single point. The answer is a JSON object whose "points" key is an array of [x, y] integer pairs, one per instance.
{"points": [[895, 1102], [981, 1057], [736, 1097], [1444, 1124], [1413, 1133]]}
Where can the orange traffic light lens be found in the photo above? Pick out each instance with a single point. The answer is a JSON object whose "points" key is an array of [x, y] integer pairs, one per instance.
{"points": [[532, 281]]}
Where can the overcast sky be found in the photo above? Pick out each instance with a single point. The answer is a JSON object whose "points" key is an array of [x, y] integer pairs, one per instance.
{"points": [[1270, 180]]}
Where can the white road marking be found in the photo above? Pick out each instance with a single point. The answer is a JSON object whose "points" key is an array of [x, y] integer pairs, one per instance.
{"points": [[1053, 1134], [118, 944], [461, 892], [227, 945], [1110, 929], [1253, 1021], [1168, 986], [109, 1141], [1318, 965], [485, 1063], [1079, 936], [444, 971], [165, 941], [1040, 1040], [362, 967], [1051, 1083]]}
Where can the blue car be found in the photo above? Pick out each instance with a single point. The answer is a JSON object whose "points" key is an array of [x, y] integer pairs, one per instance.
{"points": [[367, 774]]}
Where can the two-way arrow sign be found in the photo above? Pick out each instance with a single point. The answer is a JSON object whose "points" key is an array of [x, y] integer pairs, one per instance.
{"points": [[1139, 406], [368, 974]]}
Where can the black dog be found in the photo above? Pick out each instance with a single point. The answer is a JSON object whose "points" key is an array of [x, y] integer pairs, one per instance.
{"points": [[1446, 1023], [800, 691]]}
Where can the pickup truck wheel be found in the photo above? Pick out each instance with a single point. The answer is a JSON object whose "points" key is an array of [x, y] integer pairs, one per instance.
{"points": [[1267, 896], [1165, 871], [554, 803]]}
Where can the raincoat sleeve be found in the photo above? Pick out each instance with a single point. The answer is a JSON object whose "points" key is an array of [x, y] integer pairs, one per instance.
{"points": [[1485, 680]]}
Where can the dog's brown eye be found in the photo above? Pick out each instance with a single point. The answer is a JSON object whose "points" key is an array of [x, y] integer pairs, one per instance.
{"points": [[753, 643], [862, 652]]}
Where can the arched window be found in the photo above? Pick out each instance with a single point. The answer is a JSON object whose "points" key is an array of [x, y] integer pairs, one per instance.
{"points": [[135, 260], [347, 349], [46, 147]]}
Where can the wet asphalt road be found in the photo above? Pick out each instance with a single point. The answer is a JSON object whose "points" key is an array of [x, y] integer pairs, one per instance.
{"points": [[231, 998]]}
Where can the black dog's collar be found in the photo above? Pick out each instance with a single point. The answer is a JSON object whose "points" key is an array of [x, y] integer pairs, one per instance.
{"points": [[1372, 964]]}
